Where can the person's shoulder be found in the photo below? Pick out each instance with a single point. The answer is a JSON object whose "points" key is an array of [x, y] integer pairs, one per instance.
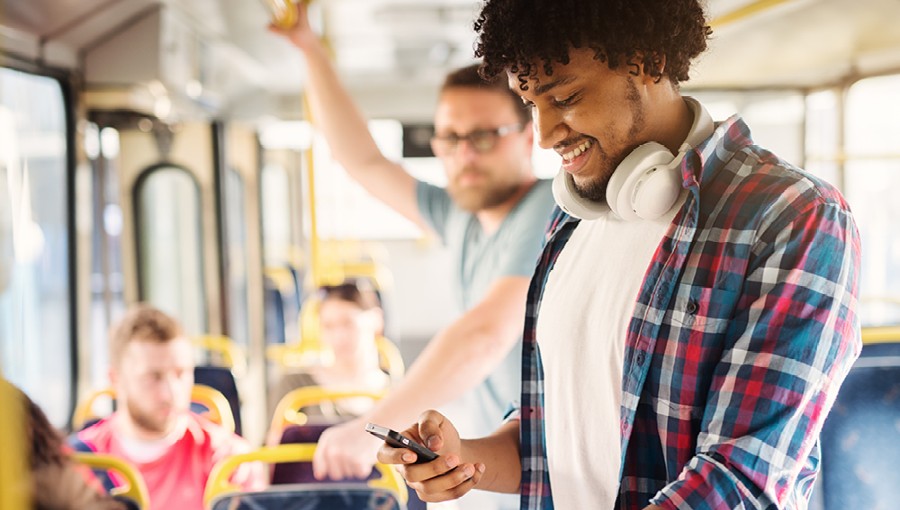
{"points": [[534, 208], [541, 193], [756, 184], [215, 436], [97, 436]]}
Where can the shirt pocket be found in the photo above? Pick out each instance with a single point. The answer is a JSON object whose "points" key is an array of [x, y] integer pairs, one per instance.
{"points": [[703, 309]]}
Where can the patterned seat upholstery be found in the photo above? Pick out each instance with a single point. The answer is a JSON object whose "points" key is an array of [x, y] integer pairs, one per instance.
{"points": [[311, 497]]}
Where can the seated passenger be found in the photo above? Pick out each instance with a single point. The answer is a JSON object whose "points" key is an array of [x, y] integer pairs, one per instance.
{"points": [[152, 371], [58, 483], [350, 321]]}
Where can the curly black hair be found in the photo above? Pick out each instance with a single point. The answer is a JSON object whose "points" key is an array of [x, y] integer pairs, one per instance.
{"points": [[516, 35]]}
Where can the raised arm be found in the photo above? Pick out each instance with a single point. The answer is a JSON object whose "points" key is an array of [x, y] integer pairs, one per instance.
{"points": [[344, 127], [455, 361]]}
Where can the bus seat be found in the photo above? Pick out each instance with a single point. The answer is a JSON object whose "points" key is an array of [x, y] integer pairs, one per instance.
{"points": [[225, 363], [861, 436], [129, 487], [385, 492], [222, 380], [273, 304], [390, 359], [218, 409], [288, 411], [221, 351], [301, 471]]}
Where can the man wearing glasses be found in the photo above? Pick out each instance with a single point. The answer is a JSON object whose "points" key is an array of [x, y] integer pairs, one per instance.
{"points": [[491, 215]]}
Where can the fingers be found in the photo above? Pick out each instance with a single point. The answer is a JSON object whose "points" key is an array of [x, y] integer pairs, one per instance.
{"points": [[430, 429], [390, 455], [452, 485], [339, 455]]}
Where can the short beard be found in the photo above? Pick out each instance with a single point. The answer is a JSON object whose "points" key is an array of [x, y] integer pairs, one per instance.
{"points": [[475, 200], [596, 190], [145, 422]]}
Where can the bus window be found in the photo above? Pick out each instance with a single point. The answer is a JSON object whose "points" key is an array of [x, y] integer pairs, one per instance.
{"points": [[872, 179], [823, 136], [345, 210], [36, 333], [277, 214], [170, 250], [236, 239]]}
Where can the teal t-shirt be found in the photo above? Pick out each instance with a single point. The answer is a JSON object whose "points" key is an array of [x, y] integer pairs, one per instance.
{"points": [[478, 260]]}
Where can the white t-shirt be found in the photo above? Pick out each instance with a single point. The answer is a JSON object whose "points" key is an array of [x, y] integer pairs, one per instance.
{"points": [[581, 329]]}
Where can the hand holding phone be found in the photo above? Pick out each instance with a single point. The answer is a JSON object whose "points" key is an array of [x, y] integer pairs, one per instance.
{"points": [[398, 440]]}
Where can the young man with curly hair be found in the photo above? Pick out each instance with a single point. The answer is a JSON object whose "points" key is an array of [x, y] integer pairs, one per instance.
{"points": [[693, 312]]}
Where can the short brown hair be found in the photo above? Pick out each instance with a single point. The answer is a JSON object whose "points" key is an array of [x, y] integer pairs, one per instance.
{"points": [[469, 77], [359, 292], [141, 322]]}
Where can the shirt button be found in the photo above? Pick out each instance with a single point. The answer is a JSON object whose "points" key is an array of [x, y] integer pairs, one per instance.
{"points": [[640, 358], [692, 307]]}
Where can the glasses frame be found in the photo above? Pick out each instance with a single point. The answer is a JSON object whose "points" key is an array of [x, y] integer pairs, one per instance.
{"points": [[447, 145]]}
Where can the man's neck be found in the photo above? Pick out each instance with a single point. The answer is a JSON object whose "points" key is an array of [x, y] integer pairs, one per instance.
{"points": [[491, 219], [127, 427], [673, 118]]}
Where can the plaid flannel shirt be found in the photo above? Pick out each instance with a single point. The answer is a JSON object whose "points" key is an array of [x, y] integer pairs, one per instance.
{"points": [[744, 328]]}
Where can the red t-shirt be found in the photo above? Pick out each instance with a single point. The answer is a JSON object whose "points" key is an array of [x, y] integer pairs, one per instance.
{"points": [[178, 477]]}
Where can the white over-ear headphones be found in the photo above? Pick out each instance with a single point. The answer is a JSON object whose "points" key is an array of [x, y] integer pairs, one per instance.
{"points": [[645, 185]]}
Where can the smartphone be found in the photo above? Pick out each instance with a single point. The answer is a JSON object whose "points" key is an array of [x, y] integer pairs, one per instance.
{"points": [[398, 440]]}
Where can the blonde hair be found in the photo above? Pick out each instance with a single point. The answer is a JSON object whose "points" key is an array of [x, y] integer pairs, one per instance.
{"points": [[144, 323]]}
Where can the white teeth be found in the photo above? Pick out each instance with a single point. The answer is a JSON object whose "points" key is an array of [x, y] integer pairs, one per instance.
{"points": [[581, 149]]}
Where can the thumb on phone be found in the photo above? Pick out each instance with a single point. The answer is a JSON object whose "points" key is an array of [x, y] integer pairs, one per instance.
{"points": [[435, 429]]}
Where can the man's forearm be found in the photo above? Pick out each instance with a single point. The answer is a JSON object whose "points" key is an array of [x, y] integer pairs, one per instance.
{"points": [[335, 114], [450, 365], [499, 453]]}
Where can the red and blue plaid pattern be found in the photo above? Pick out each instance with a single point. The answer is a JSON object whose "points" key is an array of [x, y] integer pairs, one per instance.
{"points": [[743, 331]]}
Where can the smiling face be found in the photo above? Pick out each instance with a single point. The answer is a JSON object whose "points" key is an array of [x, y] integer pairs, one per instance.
{"points": [[482, 180], [593, 116]]}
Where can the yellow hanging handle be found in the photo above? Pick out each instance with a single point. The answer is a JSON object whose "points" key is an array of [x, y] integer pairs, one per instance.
{"points": [[284, 15]]}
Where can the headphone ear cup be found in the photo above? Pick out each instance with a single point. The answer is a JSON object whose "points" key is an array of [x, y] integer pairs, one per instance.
{"points": [[640, 186], [656, 192]]}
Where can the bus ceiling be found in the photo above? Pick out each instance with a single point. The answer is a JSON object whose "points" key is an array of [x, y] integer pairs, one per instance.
{"points": [[215, 57]]}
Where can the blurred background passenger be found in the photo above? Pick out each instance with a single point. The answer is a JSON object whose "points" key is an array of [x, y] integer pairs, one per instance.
{"points": [[152, 371], [350, 322]]}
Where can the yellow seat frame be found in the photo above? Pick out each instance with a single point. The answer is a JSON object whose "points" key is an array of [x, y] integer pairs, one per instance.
{"points": [[218, 483], [219, 409], [136, 490]]}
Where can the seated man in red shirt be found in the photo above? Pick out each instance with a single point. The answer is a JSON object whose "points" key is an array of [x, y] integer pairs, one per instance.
{"points": [[152, 371]]}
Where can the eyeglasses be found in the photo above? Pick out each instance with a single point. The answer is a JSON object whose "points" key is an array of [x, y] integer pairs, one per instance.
{"points": [[481, 140]]}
